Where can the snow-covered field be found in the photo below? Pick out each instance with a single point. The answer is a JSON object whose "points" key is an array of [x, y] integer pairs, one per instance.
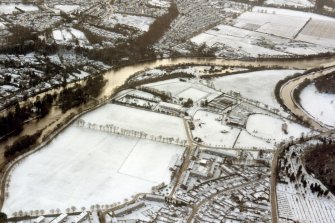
{"points": [[159, 3], [151, 123], [140, 22], [67, 8], [235, 38], [272, 31], [210, 129], [61, 35], [246, 140], [320, 32], [270, 128], [10, 8], [82, 167], [193, 93], [66, 35], [257, 85], [280, 25], [250, 43], [288, 12], [181, 89], [295, 3], [319, 105]]}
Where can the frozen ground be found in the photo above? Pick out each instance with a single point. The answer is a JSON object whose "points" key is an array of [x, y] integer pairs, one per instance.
{"points": [[319, 105], [151, 123], [140, 22], [67, 8], [271, 31], [159, 3], [289, 12], [270, 128], [296, 3], [244, 41], [10, 8], [257, 85], [82, 167], [66, 35], [210, 129], [181, 89], [61, 35], [320, 32], [78, 34], [246, 140], [280, 25]]}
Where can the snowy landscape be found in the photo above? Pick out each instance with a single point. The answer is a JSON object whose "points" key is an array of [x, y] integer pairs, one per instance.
{"points": [[77, 155], [167, 111], [319, 105]]}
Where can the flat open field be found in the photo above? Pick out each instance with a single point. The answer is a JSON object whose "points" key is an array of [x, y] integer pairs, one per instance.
{"points": [[267, 127], [212, 131], [181, 89], [320, 106], [151, 123], [257, 85], [271, 31], [296, 3], [320, 32], [83, 167], [245, 41], [280, 25]]}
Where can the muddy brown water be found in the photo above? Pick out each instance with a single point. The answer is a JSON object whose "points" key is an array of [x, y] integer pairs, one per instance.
{"points": [[117, 77]]}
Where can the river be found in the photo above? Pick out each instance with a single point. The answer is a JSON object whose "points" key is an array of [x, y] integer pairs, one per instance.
{"points": [[117, 77]]}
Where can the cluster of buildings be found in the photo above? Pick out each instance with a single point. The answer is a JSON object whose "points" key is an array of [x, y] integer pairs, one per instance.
{"points": [[191, 21], [141, 7], [75, 217], [294, 189], [212, 190], [22, 76], [37, 20]]}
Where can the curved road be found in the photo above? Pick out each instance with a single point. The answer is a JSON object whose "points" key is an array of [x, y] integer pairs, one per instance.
{"points": [[118, 77], [286, 94]]}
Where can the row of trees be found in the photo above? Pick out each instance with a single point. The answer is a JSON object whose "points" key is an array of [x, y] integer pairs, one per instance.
{"points": [[110, 128]]}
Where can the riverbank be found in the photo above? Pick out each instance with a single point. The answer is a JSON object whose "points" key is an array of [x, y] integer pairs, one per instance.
{"points": [[119, 75], [286, 97]]}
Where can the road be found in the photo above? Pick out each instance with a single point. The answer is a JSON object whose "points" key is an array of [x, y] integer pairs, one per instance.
{"points": [[286, 94], [118, 77], [273, 188], [187, 157]]}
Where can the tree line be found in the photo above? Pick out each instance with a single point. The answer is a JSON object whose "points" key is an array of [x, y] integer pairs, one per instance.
{"points": [[319, 160], [80, 94], [21, 145], [326, 83], [12, 123]]}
